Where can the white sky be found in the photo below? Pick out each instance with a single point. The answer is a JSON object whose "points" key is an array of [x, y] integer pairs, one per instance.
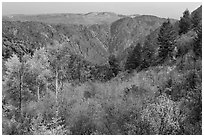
{"points": [[166, 9]]}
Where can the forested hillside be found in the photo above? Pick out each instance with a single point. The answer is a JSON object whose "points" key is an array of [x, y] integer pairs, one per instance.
{"points": [[107, 74], [94, 42]]}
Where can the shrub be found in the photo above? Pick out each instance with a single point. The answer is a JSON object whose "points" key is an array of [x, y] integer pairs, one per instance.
{"points": [[53, 127], [162, 115]]}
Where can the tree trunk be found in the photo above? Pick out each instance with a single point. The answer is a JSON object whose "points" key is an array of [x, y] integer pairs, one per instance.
{"points": [[38, 93], [20, 90], [38, 90], [56, 85], [56, 90], [20, 85]]}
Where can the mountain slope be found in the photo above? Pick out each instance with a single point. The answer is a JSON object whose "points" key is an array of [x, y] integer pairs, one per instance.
{"points": [[129, 31], [92, 42], [152, 37], [81, 40], [79, 19]]}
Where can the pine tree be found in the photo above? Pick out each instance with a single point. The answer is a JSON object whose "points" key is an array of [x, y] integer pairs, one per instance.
{"points": [[134, 58], [147, 53], [196, 19], [197, 47], [185, 22], [166, 40]]}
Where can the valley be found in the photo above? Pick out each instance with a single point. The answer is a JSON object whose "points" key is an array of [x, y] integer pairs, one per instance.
{"points": [[102, 73]]}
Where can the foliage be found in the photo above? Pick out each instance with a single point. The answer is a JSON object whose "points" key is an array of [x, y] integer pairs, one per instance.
{"points": [[196, 18], [184, 43], [18, 81], [114, 65], [98, 99], [185, 23], [134, 58], [54, 127], [166, 40], [163, 116], [197, 48], [147, 53], [39, 68], [156, 101]]}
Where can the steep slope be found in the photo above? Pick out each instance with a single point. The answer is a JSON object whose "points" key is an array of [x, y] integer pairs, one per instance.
{"points": [[199, 11], [152, 37], [92, 42], [129, 31], [81, 40]]}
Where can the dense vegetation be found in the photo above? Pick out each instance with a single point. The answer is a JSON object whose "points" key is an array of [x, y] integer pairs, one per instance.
{"points": [[157, 90]]}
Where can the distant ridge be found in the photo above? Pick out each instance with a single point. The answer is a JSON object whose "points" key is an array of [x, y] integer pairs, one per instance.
{"points": [[67, 18]]}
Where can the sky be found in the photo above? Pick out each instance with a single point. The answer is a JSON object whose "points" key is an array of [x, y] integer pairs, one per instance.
{"points": [[165, 9]]}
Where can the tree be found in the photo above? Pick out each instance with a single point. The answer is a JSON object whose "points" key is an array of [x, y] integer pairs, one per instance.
{"points": [[12, 80], [57, 55], [185, 22], [17, 81], [197, 47], [74, 66], [134, 58], [39, 68], [114, 65], [166, 40], [147, 53], [196, 19]]}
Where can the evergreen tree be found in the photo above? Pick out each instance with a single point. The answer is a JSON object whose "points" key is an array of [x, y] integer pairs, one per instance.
{"points": [[185, 22], [166, 40], [197, 48], [147, 53], [114, 65], [196, 19], [134, 58]]}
